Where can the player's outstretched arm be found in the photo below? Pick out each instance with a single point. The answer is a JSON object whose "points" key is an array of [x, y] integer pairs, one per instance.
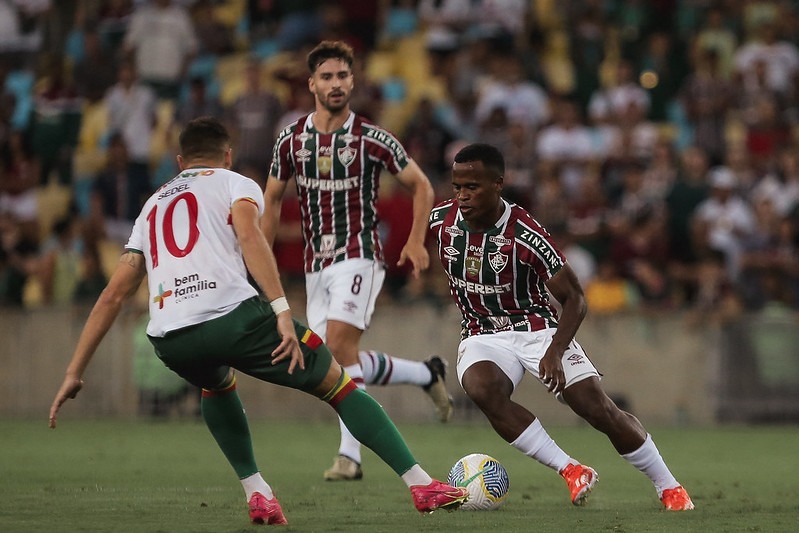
{"points": [[261, 263], [123, 284], [415, 250]]}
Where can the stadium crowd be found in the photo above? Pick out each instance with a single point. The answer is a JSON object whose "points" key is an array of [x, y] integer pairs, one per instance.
{"points": [[656, 140]]}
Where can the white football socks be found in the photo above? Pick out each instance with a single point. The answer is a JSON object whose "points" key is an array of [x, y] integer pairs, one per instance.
{"points": [[382, 369], [349, 445], [535, 442], [256, 483], [647, 459], [416, 476]]}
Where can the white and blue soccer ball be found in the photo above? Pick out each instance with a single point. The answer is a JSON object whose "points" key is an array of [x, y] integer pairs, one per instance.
{"points": [[484, 477]]}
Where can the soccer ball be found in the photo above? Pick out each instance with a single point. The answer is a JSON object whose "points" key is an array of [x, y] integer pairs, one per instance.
{"points": [[484, 477]]}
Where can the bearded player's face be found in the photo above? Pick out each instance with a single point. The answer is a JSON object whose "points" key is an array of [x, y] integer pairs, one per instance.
{"points": [[332, 84]]}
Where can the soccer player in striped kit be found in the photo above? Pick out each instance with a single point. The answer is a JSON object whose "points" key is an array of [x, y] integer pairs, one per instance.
{"points": [[195, 240], [502, 267], [336, 158]]}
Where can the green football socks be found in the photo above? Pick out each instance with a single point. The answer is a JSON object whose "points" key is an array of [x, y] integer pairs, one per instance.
{"points": [[224, 415]]}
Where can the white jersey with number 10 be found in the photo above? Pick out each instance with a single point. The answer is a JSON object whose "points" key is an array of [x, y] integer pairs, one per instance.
{"points": [[194, 264]]}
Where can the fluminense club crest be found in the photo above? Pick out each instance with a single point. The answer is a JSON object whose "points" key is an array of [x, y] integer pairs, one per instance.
{"points": [[346, 155], [497, 260]]}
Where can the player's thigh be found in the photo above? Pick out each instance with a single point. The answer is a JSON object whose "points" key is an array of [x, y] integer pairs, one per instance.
{"points": [[317, 302], [253, 337], [353, 287], [496, 348]]}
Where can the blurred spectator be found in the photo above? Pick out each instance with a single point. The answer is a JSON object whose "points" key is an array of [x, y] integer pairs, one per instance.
{"points": [[723, 221], [641, 253], [581, 260], [300, 23], [520, 163], [715, 298], [118, 193], [614, 100], [522, 100], [91, 278], [113, 19], [55, 122], [96, 70], [162, 40], [661, 172], [778, 59], [706, 97], [198, 103], [688, 192], [608, 292], [568, 145], [21, 28], [367, 97], [132, 113], [18, 260], [587, 48], [716, 38], [213, 37], [426, 140], [60, 262], [254, 116], [767, 133], [19, 180]]}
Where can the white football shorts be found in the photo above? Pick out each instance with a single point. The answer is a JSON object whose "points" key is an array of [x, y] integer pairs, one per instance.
{"points": [[345, 291], [516, 351]]}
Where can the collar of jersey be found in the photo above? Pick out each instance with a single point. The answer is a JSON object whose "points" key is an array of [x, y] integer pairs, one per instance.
{"points": [[500, 223], [344, 127]]}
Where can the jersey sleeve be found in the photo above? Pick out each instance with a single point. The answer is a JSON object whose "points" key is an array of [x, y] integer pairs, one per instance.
{"points": [[538, 248], [282, 168], [385, 147], [243, 188]]}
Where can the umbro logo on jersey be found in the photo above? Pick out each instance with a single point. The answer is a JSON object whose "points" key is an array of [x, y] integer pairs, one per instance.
{"points": [[350, 306], [303, 155], [451, 253]]}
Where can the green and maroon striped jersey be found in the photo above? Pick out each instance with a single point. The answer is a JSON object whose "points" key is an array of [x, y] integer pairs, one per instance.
{"points": [[337, 177], [497, 277]]}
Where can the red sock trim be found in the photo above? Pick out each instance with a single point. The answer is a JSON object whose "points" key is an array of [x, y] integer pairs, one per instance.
{"points": [[227, 390]]}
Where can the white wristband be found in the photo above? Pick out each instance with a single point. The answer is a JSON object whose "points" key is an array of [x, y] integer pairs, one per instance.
{"points": [[279, 305]]}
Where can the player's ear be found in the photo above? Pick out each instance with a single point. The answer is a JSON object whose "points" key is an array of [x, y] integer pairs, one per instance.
{"points": [[180, 162]]}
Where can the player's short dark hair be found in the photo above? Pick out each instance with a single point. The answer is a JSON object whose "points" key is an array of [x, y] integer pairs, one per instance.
{"points": [[204, 137], [487, 154], [330, 50]]}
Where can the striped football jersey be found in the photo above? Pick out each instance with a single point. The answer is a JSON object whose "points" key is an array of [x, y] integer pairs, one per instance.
{"points": [[497, 277], [337, 177]]}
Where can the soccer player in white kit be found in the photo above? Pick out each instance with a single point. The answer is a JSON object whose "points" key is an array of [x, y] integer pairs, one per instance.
{"points": [[195, 240], [502, 266]]}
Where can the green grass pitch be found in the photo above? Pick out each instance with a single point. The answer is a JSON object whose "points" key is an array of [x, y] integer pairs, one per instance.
{"points": [[135, 476]]}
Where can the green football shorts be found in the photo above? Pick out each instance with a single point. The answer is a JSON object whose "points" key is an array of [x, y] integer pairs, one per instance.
{"points": [[243, 339]]}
